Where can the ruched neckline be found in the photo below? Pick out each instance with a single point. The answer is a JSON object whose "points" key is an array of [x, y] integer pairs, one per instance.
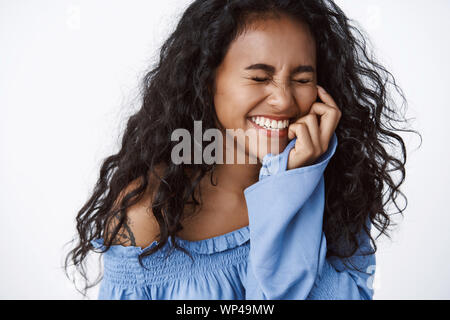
{"points": [[212, 245]]}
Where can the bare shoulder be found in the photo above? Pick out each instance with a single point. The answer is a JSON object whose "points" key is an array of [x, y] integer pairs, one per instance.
{"points": [[140, 227]]}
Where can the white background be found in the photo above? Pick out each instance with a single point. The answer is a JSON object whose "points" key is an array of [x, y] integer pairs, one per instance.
{"points": [[68, 77]]}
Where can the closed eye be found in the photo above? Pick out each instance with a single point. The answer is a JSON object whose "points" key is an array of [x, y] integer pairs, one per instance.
{"points": [[257, 79], [260, 79], [303, 81]]}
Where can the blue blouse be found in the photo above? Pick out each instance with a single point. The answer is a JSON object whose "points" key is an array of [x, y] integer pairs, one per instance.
{"points": [[280, 255]]}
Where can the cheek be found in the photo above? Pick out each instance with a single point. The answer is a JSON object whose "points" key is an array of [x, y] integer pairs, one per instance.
{"points": [[234, 103], [305, 99], [223, 104]]}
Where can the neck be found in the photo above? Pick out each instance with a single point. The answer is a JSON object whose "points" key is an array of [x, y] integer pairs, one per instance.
{"points": [[235, 178]]}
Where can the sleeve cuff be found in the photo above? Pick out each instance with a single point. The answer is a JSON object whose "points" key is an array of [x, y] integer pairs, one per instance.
{"points": [[273, 164]]}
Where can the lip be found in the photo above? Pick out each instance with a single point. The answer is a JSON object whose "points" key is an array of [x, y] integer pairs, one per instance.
{"points": [[271, 133]]}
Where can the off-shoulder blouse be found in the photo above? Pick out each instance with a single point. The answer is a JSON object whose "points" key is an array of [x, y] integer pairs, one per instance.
{"points": [[281, 254]]}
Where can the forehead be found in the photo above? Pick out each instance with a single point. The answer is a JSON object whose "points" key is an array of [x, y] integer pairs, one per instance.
{"points": [[276, 41]]}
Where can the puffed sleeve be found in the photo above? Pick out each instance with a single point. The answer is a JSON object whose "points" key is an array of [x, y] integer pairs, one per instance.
{"points": [[287, 257]]}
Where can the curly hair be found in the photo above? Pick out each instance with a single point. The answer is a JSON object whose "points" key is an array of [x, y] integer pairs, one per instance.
{"points": [[177, 90]]}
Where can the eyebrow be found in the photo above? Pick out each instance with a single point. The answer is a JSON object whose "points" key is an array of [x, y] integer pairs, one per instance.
{"points": [[271, 69]]}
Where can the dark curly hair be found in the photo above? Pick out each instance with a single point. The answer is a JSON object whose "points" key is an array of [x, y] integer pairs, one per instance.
{"points": [[178, 90]]}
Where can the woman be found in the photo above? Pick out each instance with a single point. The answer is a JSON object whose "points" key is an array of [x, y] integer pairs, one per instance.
{"points": [[294, 225]]}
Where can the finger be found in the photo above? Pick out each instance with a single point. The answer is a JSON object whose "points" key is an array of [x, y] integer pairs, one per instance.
{"points": [[300, 130], [303, 147], [329, 119], [313, 127], [325, 97], [291, 131]]}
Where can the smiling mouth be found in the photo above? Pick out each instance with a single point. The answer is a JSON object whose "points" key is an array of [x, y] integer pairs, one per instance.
{"points": [[270, 124], [281, 132]]}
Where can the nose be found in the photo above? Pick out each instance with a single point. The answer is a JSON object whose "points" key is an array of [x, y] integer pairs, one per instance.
{"points": [[281, 97]]}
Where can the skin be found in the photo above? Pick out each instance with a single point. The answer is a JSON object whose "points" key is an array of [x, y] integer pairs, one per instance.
{"points": [[283, 44], [241, 92]]}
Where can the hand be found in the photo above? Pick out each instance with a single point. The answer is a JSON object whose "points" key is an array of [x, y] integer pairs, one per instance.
{"points": [[313, 141]]}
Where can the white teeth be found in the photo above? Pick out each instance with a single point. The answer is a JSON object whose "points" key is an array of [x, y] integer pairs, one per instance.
{"points": [[260, 121], [270, 123], [274, 124]]}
